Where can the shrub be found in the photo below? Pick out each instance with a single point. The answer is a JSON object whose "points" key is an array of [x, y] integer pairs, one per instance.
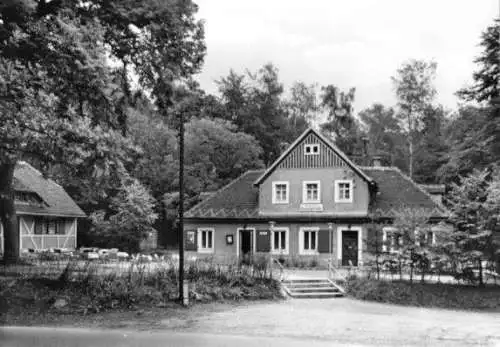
{"points": [[425, 295]]}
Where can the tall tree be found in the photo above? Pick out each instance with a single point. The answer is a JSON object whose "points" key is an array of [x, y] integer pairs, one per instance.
{"points": [[341, 125], [302, 103], [486, 85], [415, 91], [385, 136]]}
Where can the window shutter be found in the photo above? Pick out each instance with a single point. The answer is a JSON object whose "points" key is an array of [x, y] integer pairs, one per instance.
{"points": [[323, 241], [190, 240], [263, 240]]}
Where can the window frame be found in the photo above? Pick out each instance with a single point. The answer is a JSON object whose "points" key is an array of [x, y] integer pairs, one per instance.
{"points": [[200, 237], [337, 191], [302, 250], [386, 233], [275, 201], [311, 147], [287, 240], [304, 192]]}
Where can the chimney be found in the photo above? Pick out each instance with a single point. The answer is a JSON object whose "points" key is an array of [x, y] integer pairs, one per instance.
{"points": [[377, 161]]}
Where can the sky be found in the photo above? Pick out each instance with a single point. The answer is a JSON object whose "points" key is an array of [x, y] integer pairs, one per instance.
{"points": [[348, 43]]}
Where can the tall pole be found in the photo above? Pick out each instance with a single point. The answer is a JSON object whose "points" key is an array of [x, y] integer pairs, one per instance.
{"points": [[181, 206]]}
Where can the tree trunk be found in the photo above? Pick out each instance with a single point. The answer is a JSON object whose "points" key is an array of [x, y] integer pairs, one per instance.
{"points": [[410, 169], [8, 214]]}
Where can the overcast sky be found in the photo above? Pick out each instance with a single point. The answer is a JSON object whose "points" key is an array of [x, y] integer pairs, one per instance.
{"points": [[349, 43]]}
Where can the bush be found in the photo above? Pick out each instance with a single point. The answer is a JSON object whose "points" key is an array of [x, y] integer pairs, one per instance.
{"points": [[425, 295]]}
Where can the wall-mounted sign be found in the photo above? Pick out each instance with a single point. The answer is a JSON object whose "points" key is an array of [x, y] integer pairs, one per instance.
{"points": [[229, 239], [312, 207], [262, 233]]}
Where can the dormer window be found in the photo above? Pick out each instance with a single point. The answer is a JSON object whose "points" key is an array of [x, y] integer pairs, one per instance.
{"points": [[311, 149]]}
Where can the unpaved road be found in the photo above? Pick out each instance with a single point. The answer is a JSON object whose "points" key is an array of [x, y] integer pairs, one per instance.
{"points": [[306, 322], [349, 321]]}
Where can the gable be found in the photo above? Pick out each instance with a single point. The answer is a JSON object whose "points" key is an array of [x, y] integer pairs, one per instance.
{"points": [[329, 156], [298, 159]]}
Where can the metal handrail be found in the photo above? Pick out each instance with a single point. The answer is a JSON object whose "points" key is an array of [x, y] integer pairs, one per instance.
{"points": [[282, 269], [332, 270]]}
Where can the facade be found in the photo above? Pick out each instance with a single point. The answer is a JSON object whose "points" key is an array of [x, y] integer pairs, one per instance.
{"points": [[313, 201], [47, 216]]}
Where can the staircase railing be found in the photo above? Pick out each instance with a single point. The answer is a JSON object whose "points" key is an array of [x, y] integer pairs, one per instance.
{"points": [[333, 273], [282, 269]]}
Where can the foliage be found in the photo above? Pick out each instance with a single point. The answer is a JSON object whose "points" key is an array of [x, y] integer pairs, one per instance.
{"points": [[485, 88], [130, 220], [92, 287], [440, 295], [341, 125], [415, 91], [255, 104], [385, 136], [475, 206]]}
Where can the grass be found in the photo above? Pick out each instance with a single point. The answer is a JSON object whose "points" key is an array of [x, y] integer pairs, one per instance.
{"points": [[439, 295], [88, 288]]}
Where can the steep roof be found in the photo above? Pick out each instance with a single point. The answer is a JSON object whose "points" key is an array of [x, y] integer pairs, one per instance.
{"points": [[239, 199], [56, 201], [290, 148], [395, 190]]}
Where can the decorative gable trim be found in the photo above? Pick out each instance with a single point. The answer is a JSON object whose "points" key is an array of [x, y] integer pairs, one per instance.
{"points": [[336, 151]]}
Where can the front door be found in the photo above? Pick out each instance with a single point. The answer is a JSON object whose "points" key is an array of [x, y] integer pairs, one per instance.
{"points": [[349, 248], [246, 245]]}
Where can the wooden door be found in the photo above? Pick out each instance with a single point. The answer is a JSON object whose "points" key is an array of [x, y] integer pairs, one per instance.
{"points": [[349, 248]]}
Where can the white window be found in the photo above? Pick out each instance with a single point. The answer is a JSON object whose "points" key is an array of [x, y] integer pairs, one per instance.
{"points": [[280, 240], [308, 241], [311, 149], [311, 192], [206, 240], [391, 240], [280, 192], [343, 191]]}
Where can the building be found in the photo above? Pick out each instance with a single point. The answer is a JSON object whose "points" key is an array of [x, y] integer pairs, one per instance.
{"points": [[313, 201], [47, 216]]}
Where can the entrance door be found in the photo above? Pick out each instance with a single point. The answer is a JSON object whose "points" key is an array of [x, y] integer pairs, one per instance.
{"points": [[349, 248], [246, 245]]}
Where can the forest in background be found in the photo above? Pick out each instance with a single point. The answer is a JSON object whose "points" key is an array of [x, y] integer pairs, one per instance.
{"points": [[69, 107]]}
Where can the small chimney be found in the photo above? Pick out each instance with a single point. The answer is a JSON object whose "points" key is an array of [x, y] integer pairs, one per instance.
{"points": [[377, 161]]}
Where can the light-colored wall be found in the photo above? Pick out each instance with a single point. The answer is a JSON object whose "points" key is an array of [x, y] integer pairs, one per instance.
{"points": [[40, 242], [327, 177], [223, 252]]}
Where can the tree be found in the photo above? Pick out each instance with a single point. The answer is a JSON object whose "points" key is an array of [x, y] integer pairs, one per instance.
{"points": [[57, 99], [130, 219], [469, 146], [431, 149], [385, 136], [302, 103], [341, 125], [474, 203], [486, 87], [415, 91]]}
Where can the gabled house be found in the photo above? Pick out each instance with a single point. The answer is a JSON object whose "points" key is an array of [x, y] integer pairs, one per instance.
{"points": [[313, 201], [47, 216]]}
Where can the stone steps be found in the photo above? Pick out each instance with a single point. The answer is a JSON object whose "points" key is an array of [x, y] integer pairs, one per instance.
{"points": [[312, 288]]}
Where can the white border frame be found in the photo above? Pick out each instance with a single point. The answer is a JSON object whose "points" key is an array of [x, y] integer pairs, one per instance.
{"points": [[359, 229], [302, 251], [304, 192], [311, 146], [205, 250], [254, 240], [287, 243], [274, 201], [337, 191]]}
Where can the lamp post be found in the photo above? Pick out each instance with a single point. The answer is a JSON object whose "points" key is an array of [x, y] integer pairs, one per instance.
{"points": [[181, 206]]}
